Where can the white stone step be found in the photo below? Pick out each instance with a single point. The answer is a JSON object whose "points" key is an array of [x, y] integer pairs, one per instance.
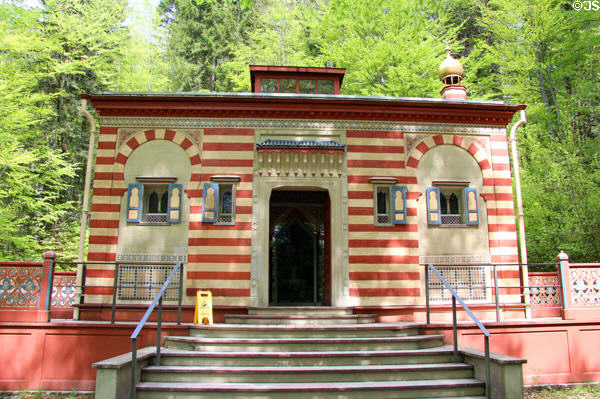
{"points": [[301, 319], [305, 374], [315, 331], [372, 390], [322, 358], [299, 310], [304, 344]]}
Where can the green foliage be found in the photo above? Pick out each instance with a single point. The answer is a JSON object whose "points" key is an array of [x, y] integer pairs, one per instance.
{"points": [[201, 36], [49, 57], [544, 54], [539, 52]]}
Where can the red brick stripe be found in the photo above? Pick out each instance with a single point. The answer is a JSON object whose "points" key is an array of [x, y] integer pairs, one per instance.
{"points": [[228, 162], [211, 226], [227, 242], [228, 132], [223, 292], [388, 260], [361, 163], [378, 292], [228, 146], [218, 275], [413, 228], [210, 258], [107, 145], [392, 276], [376, 149], [367, 134], [383, 243]]}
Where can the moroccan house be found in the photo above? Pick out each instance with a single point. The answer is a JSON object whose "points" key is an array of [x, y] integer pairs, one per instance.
{"points": [[295, 194]]}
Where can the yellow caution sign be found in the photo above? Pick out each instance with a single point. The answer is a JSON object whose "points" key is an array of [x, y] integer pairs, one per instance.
{"points": [[203, 313]]}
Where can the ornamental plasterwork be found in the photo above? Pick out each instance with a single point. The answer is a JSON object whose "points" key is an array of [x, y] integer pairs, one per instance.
{"points": [[421, 127], [411, 141], [585, 288], [454, 259], [300, 164], [125, 135]]}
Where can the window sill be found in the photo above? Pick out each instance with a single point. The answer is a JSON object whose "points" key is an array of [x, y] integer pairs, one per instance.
{"points": [[455, 226], [154, 224]]}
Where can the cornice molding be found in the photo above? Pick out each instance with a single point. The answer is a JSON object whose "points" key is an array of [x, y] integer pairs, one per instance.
{"points": [[299, 124], [343, 109]]}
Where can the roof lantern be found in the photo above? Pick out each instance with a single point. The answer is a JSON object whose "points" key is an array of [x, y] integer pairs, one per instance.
{"points": [[296, 80], [450, 73]]}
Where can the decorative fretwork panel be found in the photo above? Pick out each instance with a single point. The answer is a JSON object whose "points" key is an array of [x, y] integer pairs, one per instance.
{"points": [[300, 164], [20, 286], [544, 290], [63, 291], [142, 282], [585, 286], [469, 282], [151, 258], [451, 219], [154, 218]]}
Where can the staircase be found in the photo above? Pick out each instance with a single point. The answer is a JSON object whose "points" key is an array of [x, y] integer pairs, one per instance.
{"points": [[307, 353]]}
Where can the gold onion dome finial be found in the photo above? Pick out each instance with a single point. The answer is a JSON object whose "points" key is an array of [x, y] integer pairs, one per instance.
{"points": [[450, 67]]}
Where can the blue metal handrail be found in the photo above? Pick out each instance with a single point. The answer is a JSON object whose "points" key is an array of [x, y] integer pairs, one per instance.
{"points": [[157, 299], [486, 333]]}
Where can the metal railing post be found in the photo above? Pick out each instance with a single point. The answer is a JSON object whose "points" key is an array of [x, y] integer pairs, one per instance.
{"points": [[158, 331], [427, 293], [114, 298], [455, 329], [179, 300], [496, 294], [133, 368], [484, 330], [488, 370]]}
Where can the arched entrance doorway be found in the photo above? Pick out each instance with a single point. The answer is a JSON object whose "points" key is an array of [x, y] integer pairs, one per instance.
{"points": [[299, 248]]}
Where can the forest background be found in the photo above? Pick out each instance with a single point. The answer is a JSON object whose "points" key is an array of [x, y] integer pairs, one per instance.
{"points": [[542, 53]]}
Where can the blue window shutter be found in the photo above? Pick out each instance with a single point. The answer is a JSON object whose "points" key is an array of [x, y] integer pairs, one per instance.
{"points": [[433, 206], [471, 206], [210, 202], [398, 205], [174, 205], [134, 203]]}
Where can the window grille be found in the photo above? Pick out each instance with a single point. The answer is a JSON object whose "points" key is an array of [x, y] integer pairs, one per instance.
{"points": [[225, 219], [142, 282], [451, 219], [154, 218], [383, 219], [469, 282]]}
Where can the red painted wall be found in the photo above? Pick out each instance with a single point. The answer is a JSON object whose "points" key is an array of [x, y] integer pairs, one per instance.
{"points": [[557, 352], [59, 356]]}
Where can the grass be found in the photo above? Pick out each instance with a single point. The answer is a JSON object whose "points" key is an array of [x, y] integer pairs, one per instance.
{"points": [[563, 392]]}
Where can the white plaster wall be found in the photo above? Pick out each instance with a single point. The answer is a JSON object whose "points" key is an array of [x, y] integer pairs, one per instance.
{"points": [[158, 158], [448, 162]]}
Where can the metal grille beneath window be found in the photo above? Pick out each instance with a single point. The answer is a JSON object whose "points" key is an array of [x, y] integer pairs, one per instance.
{"points": [[224, 219], [383, 219], [155, 218], [142, 282], [468, 281], [451, 219]]}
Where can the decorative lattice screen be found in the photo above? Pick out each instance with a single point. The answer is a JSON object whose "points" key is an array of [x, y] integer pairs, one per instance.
{"points": [[142, 282], [469, 282]]}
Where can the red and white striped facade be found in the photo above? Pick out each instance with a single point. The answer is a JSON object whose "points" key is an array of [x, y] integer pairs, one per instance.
{"points": [[379, 266]]}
